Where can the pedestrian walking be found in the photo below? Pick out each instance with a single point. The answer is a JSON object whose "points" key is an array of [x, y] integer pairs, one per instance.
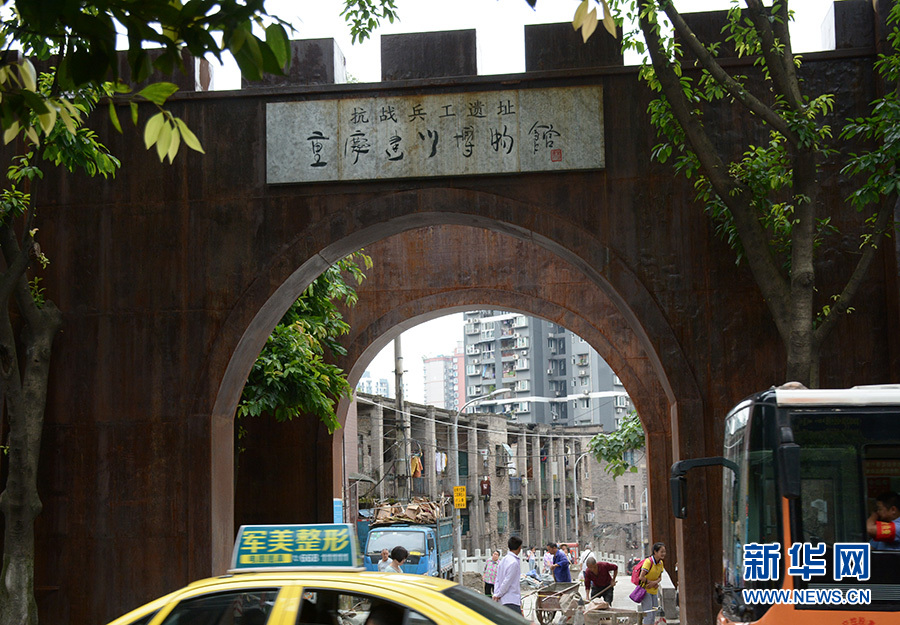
{"points": [[560, 563], [398, 557], [650, 577], [490, 573], [506, 589]]}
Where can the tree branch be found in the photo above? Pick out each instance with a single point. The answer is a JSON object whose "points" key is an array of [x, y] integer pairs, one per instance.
{"points": [[734, 88], [856, 278], [781, 66], [17, 262], [772, 283], [16, 284]]}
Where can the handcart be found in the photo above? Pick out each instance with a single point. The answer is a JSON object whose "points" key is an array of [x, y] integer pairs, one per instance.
{"points": [[554, 598]]}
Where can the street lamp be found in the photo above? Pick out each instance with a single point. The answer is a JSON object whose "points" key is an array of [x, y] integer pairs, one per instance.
{"points": [[454, 459], [575, 492]]}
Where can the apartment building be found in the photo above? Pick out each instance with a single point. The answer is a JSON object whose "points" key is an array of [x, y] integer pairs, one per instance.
{"points": [[443, 378], [553, 375], [368, 384]]}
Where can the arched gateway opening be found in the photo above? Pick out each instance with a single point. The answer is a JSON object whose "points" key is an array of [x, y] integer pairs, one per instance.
{"points": [[446, 267]]}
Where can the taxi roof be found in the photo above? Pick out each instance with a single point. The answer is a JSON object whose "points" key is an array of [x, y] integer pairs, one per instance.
{"points": [[398, 580]]}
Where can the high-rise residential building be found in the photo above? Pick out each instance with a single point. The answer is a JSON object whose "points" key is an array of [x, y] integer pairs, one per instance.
{"points": [[367, 384], [553, 375], [443, 379]]}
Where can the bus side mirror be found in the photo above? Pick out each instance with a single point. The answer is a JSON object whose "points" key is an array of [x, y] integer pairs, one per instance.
{"points": [[677, 485], [789, 470], [678, 480]]}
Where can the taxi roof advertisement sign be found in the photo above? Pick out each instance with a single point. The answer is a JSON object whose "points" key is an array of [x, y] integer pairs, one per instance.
{"points": [[281, 547]]}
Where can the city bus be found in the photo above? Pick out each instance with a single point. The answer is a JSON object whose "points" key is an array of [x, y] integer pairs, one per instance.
{"points": [[803, 469]]}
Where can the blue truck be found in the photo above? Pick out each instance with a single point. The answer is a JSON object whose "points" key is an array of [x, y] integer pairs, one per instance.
{"points": [[430, 546]]}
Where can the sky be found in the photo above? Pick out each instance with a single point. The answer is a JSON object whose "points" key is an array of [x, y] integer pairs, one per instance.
{"points": [[499, 26]]}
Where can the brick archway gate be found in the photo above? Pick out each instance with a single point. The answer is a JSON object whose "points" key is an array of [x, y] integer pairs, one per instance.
{"points": [[445, 266], [171, 278]]}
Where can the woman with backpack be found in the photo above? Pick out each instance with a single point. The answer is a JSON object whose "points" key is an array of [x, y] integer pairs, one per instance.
{"points": [[649, 579]]}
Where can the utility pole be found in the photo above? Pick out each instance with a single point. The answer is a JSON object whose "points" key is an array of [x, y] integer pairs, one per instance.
{"points": [[403, 420]]}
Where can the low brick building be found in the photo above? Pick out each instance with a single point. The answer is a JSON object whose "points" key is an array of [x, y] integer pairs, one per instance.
{"points": [[520, 479]]}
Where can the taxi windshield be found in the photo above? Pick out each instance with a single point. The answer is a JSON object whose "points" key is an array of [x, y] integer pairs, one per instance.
{"points": [[388, 539]]}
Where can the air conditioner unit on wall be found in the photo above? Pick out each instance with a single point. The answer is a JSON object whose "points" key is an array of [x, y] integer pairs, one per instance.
{"points": [[626, 506]]}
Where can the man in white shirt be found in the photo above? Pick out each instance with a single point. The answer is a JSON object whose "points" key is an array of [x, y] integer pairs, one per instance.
{"points": [[385, 560], [587, 553], [506, 587]]}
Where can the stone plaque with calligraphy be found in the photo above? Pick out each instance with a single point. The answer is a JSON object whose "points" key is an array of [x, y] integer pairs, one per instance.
{"points": [[486, 132]]}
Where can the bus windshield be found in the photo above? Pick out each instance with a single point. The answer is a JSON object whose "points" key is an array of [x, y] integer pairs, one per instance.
{"points": [[751, 513]]}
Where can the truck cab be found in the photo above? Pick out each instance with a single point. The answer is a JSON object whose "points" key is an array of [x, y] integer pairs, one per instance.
{"points": [[430, 548]]}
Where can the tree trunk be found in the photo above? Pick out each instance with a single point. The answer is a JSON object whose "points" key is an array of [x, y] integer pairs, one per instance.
{"points": [[26, 393], [800, 343]]}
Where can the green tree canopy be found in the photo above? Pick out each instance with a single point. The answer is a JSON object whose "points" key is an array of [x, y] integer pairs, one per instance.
{"points": [[45, 117], [613, 448], [766, 200], [292, 376]]}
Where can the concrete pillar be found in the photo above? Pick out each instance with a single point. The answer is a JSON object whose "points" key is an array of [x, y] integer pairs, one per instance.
{"points": [[552, 488], [476, 514], [565, 533], [537, 487], [378, 465], [428, 450], [313, 62], [522, 464], [428, 55]]}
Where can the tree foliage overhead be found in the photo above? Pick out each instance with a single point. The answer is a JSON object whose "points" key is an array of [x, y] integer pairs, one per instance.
{"points": [[26, 340], [292, 376], [46, 118], [767, 203], [613, 448]]}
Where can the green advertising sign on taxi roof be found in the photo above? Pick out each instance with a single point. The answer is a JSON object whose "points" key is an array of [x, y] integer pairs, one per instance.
{"points": [[267, 547]]}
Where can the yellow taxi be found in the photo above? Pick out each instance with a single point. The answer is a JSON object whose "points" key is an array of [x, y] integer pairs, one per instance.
{"points": [[294, 575]]}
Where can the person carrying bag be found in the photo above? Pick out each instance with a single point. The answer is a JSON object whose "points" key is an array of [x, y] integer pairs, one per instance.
{"points": [[646, 593]]}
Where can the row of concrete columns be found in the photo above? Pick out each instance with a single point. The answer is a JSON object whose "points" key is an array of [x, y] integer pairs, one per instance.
{"points": [[534, 502]]}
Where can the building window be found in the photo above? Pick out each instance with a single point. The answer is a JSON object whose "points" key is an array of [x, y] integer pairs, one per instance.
{"points": [[621, 401], [585, 402]]}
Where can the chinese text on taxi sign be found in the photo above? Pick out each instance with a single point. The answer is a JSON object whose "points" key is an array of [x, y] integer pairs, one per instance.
{"points": [[459, 497], [294, 546]]}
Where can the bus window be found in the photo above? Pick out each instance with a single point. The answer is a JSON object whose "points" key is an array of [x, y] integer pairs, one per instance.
{"points": [[881, 469]]}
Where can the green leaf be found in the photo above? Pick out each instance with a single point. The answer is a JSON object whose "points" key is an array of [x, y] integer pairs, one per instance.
{"points": [[163, 141], [28, 75], [189, 137], [589, 25], [158, 92], [174, 144], [154, 126], [580, 14], [11, 133], [278, 42], [114, 117]]}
